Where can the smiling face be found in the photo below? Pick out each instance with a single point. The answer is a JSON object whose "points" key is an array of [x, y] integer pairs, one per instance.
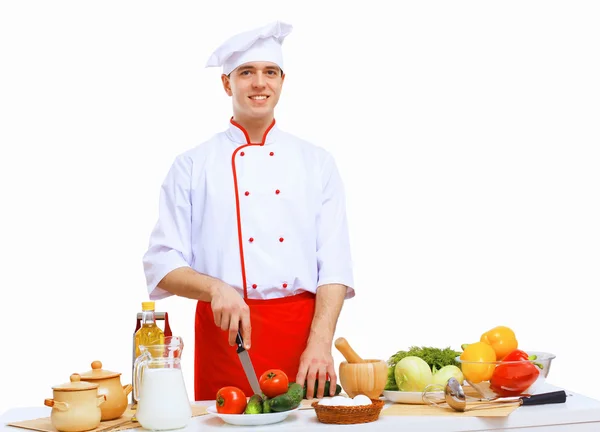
{"points": [[255, 88]]}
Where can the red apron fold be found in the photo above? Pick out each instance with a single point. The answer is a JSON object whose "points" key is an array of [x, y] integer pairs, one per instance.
{"points": [[280, 330]]}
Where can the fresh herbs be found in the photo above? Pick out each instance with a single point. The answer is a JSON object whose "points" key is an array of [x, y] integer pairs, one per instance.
{"points": [[436, 358]]}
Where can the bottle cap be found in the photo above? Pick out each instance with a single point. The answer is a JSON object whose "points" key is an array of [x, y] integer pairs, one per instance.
{"points": [[147, 306]]}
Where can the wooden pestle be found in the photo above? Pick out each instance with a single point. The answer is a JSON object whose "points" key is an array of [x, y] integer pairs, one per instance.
{"points": [[349, 354]]}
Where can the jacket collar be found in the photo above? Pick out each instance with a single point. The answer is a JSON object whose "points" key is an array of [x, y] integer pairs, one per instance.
{"points": [[239, 135]]}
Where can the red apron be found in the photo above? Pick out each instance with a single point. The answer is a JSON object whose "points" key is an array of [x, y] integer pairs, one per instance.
{"points": [[280, 329]]}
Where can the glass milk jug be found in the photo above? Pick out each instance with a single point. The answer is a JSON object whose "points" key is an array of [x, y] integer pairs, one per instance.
{"points": [[159, 389]]}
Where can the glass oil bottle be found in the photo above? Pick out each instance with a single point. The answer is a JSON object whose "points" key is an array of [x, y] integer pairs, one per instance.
{"points": [[149, 333]]}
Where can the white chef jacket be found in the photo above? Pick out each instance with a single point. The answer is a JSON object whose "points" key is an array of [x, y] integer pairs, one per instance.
{"points": [[279, 206]]}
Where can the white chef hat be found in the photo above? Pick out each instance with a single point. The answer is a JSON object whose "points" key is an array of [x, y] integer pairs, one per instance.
{"points": [[261, 44]]}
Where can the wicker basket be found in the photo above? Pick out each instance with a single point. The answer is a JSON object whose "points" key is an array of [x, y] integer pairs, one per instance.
{"points": [[348, 414]]}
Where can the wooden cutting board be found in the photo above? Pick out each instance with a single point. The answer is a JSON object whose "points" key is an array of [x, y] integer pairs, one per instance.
{"points": [[398, 409], [122, 423], [498, 410]]}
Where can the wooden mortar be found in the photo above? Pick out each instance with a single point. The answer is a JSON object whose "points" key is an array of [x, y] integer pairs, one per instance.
{"points": [[358, 375]]}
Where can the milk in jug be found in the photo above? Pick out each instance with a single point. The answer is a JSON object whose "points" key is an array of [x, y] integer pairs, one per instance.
{"points": [[160, 391]]}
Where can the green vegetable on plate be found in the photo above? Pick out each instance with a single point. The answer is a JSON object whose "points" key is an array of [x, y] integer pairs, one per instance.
{"points": [[412, 374], [436, 358], [255, 405]]}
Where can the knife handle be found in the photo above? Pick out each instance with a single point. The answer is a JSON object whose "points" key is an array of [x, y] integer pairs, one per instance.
{"points": [[240, 343], [546, 398]]}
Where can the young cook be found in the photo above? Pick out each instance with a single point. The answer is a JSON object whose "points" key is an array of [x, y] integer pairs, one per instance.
{"points": [[252, 224]]}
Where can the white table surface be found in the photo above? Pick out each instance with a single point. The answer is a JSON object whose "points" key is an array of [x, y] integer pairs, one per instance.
{"points": [[579, 414]]}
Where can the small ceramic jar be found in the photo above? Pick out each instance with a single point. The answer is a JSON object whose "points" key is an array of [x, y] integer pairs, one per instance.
{"points": [[109, 385], [75, 406]]}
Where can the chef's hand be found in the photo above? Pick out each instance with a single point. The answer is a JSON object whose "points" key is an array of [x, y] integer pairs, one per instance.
{"points": [[316, 362], [229, 311]]}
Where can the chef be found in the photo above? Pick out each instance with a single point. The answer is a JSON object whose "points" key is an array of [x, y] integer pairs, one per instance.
{"points": [[252, 224]]}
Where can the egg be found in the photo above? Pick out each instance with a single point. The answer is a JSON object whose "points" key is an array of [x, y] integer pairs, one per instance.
{"points": [[325, 402], [362, 400], [341, 401]]}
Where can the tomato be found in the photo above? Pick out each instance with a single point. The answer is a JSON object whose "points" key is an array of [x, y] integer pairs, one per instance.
{"points": [[231, 400], [478, 362], [273, 382]]}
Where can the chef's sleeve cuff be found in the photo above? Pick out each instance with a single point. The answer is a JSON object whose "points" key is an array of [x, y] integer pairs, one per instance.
{"points": [[157, 268], [348, 282]]}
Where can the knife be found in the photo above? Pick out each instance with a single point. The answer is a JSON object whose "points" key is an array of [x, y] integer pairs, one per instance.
{"points": [[247, 364]]}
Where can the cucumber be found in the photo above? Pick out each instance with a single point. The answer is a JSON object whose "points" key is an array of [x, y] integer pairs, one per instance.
{"points": [[289, 400], [296, 392], [338, 389], [266, 405], [254, 405]]}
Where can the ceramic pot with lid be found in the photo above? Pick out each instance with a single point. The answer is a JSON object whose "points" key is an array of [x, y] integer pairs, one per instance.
{"points": [[109, 385], [75, 406]]}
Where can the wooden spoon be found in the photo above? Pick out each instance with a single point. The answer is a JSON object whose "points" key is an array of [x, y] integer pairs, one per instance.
{"points": [[349, 354]]}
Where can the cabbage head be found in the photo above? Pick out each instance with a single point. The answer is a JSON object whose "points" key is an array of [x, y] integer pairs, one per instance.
{"points": [[412, 374]]}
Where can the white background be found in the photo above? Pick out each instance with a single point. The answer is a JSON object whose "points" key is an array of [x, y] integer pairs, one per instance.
{"points": [[467, 134]]}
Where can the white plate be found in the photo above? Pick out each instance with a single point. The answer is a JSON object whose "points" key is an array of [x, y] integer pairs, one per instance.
{"points": [[251, 419], [414, 398]]}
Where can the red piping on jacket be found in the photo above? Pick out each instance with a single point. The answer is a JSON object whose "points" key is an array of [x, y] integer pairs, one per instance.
{"points": [[237, 194]]}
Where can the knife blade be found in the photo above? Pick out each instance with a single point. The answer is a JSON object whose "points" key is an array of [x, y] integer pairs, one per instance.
{"points": [[247, 364]]}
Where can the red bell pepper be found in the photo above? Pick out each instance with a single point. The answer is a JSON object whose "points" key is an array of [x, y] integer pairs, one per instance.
{"points": [[515, 374], [518, 355]]}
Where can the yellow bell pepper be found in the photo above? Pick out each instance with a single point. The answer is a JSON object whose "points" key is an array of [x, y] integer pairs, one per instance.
{"points": [[478, 362], [502, 340]]}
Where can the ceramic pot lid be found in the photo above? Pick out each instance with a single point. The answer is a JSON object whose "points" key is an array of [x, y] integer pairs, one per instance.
{"points": [[97, 373], [75, 385]]}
